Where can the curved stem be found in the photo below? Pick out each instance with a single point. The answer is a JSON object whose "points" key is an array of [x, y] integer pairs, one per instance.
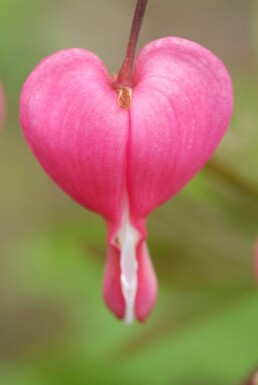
{"points": [[125, 75]]}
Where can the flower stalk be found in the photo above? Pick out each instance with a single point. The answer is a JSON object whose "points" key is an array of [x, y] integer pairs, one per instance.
{"points": [[124, 82]]}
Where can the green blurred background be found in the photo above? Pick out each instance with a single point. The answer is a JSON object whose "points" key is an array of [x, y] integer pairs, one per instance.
{"points": [[54, 328]]}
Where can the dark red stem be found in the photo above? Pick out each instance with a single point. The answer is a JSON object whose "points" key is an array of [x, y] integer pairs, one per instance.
{"points": [[125, 75]]}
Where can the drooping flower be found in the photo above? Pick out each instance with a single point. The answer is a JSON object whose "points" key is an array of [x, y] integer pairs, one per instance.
{"points": [[123, 159]]}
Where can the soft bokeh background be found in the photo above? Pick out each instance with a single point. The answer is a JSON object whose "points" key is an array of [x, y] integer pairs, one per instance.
{"points": [[54, 328]]}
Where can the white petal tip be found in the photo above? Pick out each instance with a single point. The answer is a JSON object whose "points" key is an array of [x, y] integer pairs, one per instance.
{"points": [[128, 238]]}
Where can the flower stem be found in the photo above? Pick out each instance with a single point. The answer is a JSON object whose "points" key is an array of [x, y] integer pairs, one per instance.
{"points": [[125, 75]]}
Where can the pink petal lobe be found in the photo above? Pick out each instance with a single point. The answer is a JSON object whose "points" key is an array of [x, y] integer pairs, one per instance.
{"points": [[147, 285], [112, 292], [71, 119], [182, 104]]}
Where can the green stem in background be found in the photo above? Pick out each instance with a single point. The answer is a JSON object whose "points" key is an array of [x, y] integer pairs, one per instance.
{"points": [[216, 167], [125, 75]]}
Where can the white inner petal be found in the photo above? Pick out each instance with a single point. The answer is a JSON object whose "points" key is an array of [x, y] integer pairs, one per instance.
{"points": [[128, 238]]}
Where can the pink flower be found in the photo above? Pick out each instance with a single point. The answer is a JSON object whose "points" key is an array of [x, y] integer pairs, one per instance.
{"points": [[123, 163]]}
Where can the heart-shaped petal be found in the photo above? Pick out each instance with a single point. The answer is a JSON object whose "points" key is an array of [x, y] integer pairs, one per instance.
{"points": [[71, 119], [182, 104]]}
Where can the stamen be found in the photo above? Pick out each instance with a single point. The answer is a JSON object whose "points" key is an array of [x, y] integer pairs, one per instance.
{"points": [[125, 97]]}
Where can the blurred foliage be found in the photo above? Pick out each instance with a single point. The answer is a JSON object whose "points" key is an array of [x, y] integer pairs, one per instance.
{"points": [[54, 328]]}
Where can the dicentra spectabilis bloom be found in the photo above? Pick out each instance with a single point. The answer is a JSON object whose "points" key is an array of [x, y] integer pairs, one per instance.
{"points": [[123, 145]]}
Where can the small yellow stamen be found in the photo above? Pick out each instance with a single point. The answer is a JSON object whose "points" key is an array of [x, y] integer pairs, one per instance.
{"points": [[124, 97]]}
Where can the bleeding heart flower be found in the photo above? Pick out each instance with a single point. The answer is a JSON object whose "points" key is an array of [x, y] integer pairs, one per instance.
{"points": [[123, 157]]}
